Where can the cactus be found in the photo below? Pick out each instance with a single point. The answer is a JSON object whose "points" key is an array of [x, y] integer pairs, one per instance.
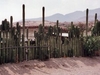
{"points": [[43, 15], [58, 41], [17, 40], [35, 52], [95, 19], [57, 29], [5, 25], [23, 17], [23, 13], [50, 31], [0, 49], [28, 56], [41, 29], [11, 21], [61, 44], [27, 33], [57, 23], [87, 11], [23, 52], [42, 39]]}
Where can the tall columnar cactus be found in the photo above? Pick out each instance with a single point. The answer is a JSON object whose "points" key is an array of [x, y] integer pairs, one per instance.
{"points": [[7, 56], [71, 23], [87, 11], [0, 49], [5, 25], [57, 23], [49, 34], [23, 13], [35, 51], [43, 15], [61, 43], [50, 30], [54, 30], [43, 18], [95, 18], [40, 29], [27, 33], [57, 28], [18, 33], [23, 36], [23, 52], [58, 41], [11, 30], [19, 51], [0, 35], [71, 36], [11, 21], [18, 30], [71, 31]]}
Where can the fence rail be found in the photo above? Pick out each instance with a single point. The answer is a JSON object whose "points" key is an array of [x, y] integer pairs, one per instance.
{"points": [[14, 47]]}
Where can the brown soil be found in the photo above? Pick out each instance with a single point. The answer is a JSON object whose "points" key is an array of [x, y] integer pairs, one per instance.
{"points": [[54, 66]]}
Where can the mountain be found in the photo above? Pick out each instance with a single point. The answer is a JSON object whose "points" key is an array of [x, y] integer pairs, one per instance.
{"points": [[74, 16]]}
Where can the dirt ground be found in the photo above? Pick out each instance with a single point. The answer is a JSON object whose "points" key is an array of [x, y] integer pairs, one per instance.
{"points": [[54, 66]]}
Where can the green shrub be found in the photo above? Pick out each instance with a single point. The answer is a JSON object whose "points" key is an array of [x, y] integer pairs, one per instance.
{"points": [[90, 45]]}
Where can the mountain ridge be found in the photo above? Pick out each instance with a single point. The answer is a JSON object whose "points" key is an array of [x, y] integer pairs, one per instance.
{"points": [[73, 16]]}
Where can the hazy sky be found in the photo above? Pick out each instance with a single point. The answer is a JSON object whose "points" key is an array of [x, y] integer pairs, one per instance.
{"points": [[34, 7]]}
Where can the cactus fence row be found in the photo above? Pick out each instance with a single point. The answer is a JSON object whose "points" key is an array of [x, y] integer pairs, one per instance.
{"points": [[48, 43]]}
